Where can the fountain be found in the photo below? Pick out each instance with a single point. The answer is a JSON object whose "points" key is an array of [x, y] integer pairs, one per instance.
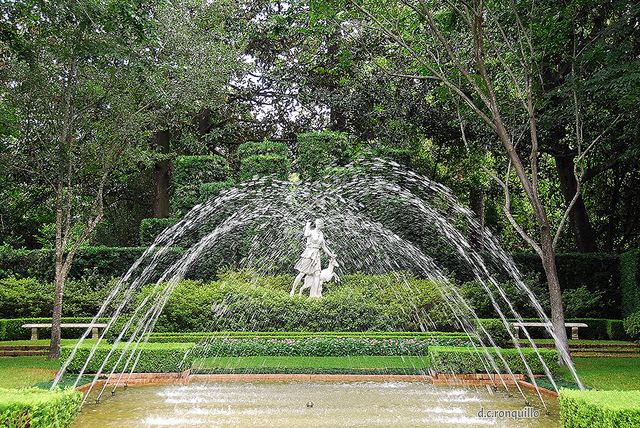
{"points": [[367, 207]]}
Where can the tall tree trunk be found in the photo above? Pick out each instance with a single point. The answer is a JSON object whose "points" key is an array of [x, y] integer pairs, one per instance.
{"points": [[161, 176], [578, 217], [56, 317]]}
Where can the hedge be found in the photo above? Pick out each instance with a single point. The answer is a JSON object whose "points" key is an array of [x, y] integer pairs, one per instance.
{"points": [[198, 337], [11, 329], [190, 172], [263, 165], [318, 150], [39, 408], [272, 148], [466, 360], [318, 347], [150, 228], [599, 409], [105, 262], [155, 358], [630, 282]]}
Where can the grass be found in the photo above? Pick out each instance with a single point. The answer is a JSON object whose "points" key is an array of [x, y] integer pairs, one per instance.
{"points": [[357, 362], [18, 372], [606, 373]]}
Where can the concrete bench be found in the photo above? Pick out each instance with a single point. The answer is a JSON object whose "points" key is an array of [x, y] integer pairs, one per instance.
{"points": [[574, 327], [94, 328]]}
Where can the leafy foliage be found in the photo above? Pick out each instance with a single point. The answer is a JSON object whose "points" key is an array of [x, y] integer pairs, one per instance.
{"points": [[595, 408], [632, 325], [154, 358], [39, 408]]}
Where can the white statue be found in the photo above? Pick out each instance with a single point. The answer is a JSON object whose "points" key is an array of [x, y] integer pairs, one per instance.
{"points": [[309, 263]]}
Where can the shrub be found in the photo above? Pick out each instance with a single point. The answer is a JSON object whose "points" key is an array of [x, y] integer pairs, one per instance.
{"points": [[154, 358], [496, 329], [150, 228], [632, 325], [316, 151], [28, 298], [599, 409], [630, 282], [189, 174], [317, 346], [263, 165], [244, 302], [266, 147], [468, 360], [210, 191], [38, 408]]}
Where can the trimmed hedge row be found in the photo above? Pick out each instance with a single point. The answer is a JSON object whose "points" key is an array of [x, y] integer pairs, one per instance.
{"points": [[207, 336], [599, 409], [317, 347], [467, 360], [190, 172], [630, 282], [38, 408], [155, 358], [11, 329]]}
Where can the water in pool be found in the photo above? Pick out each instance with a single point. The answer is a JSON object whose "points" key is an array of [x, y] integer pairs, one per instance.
{"points": [[314, 404]]}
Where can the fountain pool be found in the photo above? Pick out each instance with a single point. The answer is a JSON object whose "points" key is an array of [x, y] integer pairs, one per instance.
{"points": [[335, 404]]}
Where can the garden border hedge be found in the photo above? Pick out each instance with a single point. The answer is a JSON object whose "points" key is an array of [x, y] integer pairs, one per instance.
{"points": [[39, 408], [599, 409], [155, 358]]}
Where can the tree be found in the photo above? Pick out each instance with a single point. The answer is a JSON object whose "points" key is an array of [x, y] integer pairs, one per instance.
{"points": [[192, 62], [485, 56], [67, 77]]}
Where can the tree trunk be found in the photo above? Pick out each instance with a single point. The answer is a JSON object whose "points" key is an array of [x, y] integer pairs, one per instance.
{"points": [[555, 296], [161, 176], [578, 217], [56, 317]]}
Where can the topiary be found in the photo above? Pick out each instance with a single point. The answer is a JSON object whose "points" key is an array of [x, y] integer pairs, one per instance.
{"points": [[632, 325]]}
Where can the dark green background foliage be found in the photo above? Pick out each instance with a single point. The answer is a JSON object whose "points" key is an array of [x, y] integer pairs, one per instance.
{"points": [[11, 329], [92, 263], [190, 172], [318, 150], [150, 228], [632, 325], [630, 282]]}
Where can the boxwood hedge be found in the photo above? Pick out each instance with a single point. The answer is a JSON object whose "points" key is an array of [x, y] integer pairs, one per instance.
{"points": [[599, 409], [38, 408], [466, 360], [155, 358]]}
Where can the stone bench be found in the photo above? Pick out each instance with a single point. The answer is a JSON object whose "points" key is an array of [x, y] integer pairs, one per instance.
{"points": [[94, 328], [574, 327]]}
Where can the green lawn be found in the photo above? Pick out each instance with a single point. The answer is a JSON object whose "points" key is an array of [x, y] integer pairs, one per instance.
{"points": [[607, 372], [18, 372], [359, 362]]}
